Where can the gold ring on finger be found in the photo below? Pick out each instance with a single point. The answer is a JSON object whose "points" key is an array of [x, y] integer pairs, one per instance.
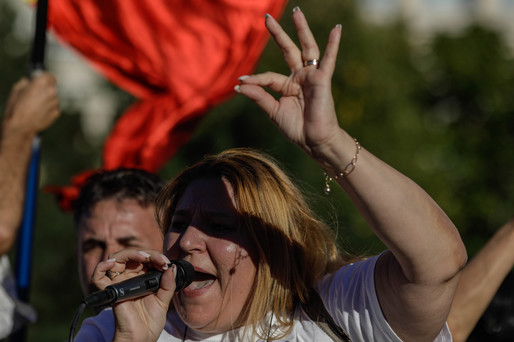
{"points": [[310, 62], [112, 274]]}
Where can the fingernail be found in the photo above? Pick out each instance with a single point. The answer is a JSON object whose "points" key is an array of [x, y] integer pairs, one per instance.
{"points": [[339, 26], [110, 260], [237, 89], [297, 8], [267, 15], [242, 78], [165, 259], [143, 253]]}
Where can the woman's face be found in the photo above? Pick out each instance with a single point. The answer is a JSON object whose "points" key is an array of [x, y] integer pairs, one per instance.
{"points": [[205, 230]]}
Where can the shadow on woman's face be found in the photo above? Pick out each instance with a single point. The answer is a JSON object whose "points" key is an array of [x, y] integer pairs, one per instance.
{"points": [[222, 244]]}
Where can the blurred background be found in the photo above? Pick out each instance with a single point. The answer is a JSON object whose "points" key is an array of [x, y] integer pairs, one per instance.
{"points": [[426, 85]]}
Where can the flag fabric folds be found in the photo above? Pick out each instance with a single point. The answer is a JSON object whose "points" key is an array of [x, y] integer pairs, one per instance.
{"points": [[177, 57]]}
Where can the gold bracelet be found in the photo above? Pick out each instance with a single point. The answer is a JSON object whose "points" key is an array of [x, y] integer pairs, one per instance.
{"points": [[346, 171]]}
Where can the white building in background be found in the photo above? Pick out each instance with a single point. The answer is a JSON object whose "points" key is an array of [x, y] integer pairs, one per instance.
{"points": [[425, 17]]}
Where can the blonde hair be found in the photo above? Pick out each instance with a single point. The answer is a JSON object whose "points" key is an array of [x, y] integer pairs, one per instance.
{"points": [[294, 249]]}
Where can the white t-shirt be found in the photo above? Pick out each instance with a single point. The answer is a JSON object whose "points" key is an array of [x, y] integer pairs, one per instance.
{"points": [[7, 304], [13, 313], [349, 296]]}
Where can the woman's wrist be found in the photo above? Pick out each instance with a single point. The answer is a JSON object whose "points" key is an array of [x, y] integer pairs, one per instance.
{"points": [[345, 172], [338, 157]]}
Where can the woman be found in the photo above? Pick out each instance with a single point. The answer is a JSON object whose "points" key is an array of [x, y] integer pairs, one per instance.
{"points": [[261, 259]]}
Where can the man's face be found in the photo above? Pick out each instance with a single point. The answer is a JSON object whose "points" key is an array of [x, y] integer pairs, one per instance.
{"points": [[110, 227]]}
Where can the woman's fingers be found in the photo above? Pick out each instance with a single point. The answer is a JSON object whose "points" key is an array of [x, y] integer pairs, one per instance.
{"points": [[126, 264], [273, 81], [310, 50], [168, 285], [306, 92], [148, 256], [101, 276], [329, 58], [292, 54], [252, 87], [260, 96], [294, 57]]}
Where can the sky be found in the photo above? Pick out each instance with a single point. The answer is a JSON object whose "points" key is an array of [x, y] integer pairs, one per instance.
{"points": [[428, 16]]}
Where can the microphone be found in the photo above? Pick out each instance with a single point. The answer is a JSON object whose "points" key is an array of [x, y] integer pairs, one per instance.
{"points": [[140, 286]]}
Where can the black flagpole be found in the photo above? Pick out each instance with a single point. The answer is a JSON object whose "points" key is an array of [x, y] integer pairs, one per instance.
{"points": [[26, 231], [37, 58]]}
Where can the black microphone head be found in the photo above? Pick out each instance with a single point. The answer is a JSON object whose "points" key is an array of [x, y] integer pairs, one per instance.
{"points": [[185, 274]]}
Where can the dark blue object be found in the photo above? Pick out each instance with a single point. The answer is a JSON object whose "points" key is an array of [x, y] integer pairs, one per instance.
{"points": [[25, 234]]}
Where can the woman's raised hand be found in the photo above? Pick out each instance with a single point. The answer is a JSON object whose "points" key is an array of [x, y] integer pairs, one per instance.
{"points": [[138, 319], [305, 113]]}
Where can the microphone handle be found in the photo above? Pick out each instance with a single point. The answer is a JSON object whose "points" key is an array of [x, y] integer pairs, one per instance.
{"points": [[140, 286], [150, 282], [136, 287], [127, 289]]}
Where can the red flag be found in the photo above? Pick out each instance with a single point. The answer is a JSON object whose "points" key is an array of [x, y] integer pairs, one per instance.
{"points": [[178, 57]]}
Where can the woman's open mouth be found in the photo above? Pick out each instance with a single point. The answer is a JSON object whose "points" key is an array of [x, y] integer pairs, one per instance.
{"points": [[201, 280]]}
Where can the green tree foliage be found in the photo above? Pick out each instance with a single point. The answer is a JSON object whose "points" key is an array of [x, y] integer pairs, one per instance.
{"points": [[13, 52], [440, 113], [468, 100]]}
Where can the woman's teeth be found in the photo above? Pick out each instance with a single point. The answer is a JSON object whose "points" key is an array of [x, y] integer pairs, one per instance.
{"points": [[196, 285]]}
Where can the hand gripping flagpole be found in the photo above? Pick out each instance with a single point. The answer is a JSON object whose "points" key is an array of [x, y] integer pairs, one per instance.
{"points": [[25, 233]]}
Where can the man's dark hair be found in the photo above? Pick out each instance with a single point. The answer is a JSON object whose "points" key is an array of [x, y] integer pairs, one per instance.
{"points": [[120, 184]]}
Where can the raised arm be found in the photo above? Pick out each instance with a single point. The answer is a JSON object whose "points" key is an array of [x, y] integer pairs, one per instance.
{"points": [[416, 280], [480, 281], [32, 107]]}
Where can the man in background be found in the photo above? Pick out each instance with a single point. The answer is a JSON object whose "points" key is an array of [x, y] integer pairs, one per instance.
{"points": [[115, 210]]}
